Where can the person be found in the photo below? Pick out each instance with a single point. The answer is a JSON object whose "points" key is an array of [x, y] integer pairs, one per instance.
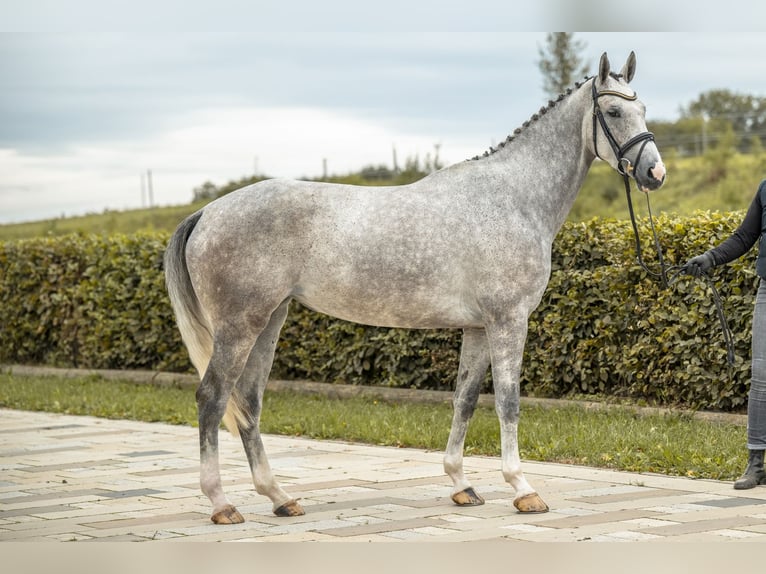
{"points": [[751, 230]]}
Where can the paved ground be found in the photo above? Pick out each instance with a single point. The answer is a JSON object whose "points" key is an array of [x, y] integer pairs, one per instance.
{"points": [[66, 478]]}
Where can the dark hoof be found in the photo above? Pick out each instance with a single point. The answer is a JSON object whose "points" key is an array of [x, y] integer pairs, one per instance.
{"points": [[227, 515], [530, 504], [291, 508], [467, 497]]}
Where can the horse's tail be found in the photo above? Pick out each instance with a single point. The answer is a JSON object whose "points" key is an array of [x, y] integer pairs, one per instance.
{"points": [[196, 330]]}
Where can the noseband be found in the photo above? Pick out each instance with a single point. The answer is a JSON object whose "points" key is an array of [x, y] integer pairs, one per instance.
{"points": [[624, 166]]}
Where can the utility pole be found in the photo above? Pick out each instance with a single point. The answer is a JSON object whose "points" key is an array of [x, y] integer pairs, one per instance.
{"points": [[396, 164], [324, 168], [149, 187], [704, 133]]}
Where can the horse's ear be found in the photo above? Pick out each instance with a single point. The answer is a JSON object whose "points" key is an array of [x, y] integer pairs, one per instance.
{"points": [[603, 68], [629, 69]]}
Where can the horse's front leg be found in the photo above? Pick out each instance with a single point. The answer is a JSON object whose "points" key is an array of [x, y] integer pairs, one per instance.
{"points": [[474, 360], [506, 342]]}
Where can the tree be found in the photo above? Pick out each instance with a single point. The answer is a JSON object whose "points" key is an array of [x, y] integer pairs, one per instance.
{"points": [[560, 62], [722, 108], [207, 190]]}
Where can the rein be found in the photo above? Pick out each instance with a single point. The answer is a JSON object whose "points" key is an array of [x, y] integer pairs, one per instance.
{"points": [[677, 270], [625, 168]]}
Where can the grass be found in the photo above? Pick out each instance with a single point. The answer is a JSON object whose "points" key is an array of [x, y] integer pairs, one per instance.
{"points": [[616, 438]]}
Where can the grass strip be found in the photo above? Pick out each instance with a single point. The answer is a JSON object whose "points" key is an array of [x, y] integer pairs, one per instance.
{"points": [[616, 438]]}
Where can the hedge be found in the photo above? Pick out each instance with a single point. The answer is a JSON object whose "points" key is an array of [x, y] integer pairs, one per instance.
{"points": [[604, 327], [87, 301]]}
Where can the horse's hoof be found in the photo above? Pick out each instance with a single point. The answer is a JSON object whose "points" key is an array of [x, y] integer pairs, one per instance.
{"points": [[530, 504], [291, 508], [467, 497], [227, 515]]}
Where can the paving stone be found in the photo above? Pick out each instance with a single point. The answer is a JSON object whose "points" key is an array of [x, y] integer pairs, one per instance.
{"points": [[147, 453], [737, 534], [68, 478], [625, 536], [731, 502], [629, 496], [707, 525], [152, 520]]}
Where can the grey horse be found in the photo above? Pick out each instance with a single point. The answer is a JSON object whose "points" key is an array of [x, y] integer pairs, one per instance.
{"points": [[467, 247]]}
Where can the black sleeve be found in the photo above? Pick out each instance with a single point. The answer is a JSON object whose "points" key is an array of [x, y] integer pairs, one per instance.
{"points": [[744, 237]]}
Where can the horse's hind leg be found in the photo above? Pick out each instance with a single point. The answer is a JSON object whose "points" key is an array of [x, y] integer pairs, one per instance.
{"points": [[249, 392], [230, 352], [474, 360]]}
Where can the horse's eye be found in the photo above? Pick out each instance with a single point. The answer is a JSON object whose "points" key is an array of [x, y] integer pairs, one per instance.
{"points": [[614, 112]]}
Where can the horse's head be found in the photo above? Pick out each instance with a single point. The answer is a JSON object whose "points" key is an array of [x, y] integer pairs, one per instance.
{"points": [[618, 128]]}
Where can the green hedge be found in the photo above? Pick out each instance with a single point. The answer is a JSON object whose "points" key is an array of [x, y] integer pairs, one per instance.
{"points": [[87, 301], [603, 327]]}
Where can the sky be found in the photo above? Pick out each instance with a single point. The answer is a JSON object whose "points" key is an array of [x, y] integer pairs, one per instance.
{"points": [[87, 108]]}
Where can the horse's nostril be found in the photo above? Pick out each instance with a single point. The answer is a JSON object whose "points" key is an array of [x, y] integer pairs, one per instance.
{"points": [[657, 172], [655, 176]]}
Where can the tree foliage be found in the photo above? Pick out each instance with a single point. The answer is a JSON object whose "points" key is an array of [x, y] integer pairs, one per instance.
{"points": [[560, 62], [209, 191], [716, 119]]}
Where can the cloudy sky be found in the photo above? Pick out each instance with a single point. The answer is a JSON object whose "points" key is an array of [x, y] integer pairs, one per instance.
{"points": [[85, 112]]}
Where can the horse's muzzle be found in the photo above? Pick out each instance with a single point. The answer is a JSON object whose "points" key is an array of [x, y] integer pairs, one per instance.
{"points": [[652, 179]]}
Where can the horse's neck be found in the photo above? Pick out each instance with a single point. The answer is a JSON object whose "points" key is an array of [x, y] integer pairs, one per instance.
{"points": [[548, 161]]}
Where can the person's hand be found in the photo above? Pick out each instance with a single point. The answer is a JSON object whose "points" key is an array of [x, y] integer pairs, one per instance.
{"points": [[696, 266]]}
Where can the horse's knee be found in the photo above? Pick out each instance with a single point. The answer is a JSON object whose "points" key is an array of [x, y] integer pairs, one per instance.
{"points": [[508, 408], [464, 407]]}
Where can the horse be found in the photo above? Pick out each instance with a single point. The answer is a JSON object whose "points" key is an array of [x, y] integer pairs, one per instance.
{"points": [[466, 247]]}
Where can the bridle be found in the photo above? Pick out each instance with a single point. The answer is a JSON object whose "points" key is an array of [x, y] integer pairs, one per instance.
{"points": [[624, 165], [625, 169]]}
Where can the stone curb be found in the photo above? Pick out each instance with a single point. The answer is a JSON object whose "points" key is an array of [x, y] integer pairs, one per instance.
{"points": [[338, 390]]}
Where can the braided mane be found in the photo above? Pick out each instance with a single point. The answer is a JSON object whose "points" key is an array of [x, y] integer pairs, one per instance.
{"points": [[544, 110]]}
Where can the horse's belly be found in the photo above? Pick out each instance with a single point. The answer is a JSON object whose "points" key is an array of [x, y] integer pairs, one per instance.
{"points": [[406, 311]]}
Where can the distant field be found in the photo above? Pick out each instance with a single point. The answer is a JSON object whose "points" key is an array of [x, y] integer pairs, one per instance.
{"points": [[719, 181], [109, 222]]}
